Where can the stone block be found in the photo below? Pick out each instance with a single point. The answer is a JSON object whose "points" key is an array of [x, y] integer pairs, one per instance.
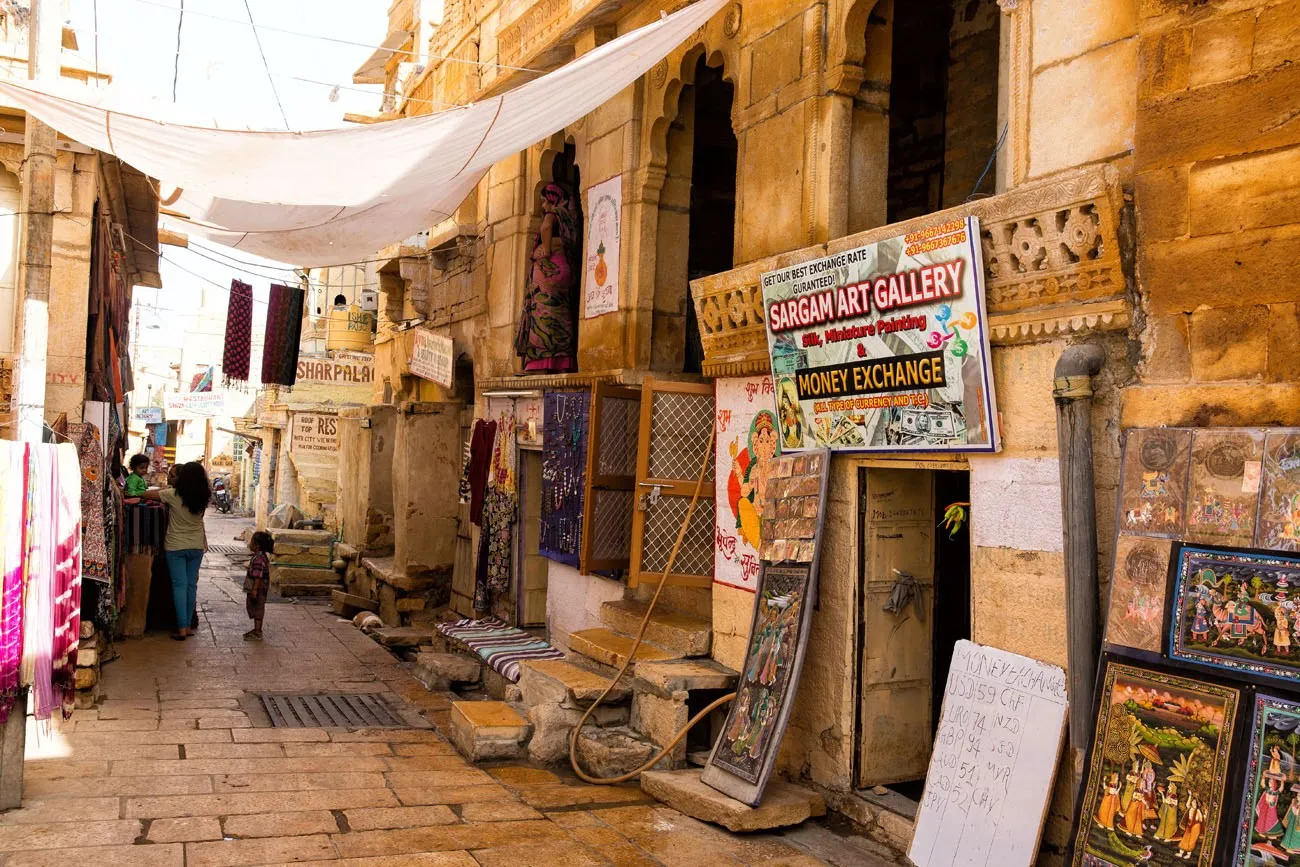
{"points": [[1248, 192], [1064, 29], [1277, 36], [1283, 338], [688, 636], [1259, 265], [553, 725], [1036, 580], [403, 636], [1229, 343], [611, 648], [660, 719], [1083, 110], [1168, 348], [438, 671], [771, 172], [1160, 196], [558, 681], [774, 60], [1211, 405], [611, 752], [484, 730], [87, 657], [784, 804], [686, 675], [1164, 63], [349, 605], [1221, 48], [86, 678]]}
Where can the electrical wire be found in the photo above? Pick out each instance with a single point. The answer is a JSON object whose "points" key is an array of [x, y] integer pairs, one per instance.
{"points": [[176, 68], [265, 65], [95, 23]]}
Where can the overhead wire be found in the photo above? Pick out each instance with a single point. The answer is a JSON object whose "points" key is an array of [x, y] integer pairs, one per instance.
{"points": [[265, 65], [176, 67]]}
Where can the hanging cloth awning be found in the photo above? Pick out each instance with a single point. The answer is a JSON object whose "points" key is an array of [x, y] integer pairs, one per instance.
{"points": [[335, 196]]}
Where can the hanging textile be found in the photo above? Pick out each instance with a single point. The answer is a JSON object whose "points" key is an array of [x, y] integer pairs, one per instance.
{"points": [[476, 470], [333, 196], [13, 522], [94, 556], [564, 474], [239, 335], [500, 501], [67, 582], [283, 331], [115, 370]]}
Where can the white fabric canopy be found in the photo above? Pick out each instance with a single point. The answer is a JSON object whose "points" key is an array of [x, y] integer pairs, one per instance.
{"points": [[336, 196]]}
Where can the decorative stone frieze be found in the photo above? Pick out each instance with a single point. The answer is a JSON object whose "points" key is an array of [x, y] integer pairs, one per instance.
{"points": [[1051, 267]]}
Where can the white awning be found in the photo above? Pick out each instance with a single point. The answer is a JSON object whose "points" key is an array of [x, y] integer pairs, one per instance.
{"points": [[336, 196]]}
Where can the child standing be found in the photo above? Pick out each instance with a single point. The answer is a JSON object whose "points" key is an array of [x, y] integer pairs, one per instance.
{"points": [[136, 484], [257, 581]]}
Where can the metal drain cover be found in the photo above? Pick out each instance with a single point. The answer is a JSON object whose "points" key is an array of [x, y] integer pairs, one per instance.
{"points": [[322, 710], [235, 552]]}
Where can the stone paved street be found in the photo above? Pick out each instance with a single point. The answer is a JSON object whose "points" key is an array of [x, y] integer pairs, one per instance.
{"points": [[172, 769]]}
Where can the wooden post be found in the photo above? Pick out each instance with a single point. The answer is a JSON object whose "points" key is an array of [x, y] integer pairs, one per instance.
{"points": [[207, 446], [13, 739], [1072, 390]]}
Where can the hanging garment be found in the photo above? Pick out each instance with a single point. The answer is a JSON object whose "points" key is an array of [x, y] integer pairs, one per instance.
{"points": [[480, 460], [501, 504], [38, 616], [66, 594], [94, 558], [13, 507], [239, 334], [334, 196], [283, 331]]}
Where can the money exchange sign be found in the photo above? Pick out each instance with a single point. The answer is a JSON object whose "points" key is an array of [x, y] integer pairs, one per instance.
{"points": [[885, 347]]}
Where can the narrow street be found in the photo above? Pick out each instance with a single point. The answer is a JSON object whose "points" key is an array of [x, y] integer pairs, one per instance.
{"points": [[175, 768]]}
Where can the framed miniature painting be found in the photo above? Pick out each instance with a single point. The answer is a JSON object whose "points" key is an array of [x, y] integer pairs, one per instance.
{"points": [[1224, 488], [1156, 773], [1268, 829], [1278, 526], [1136, 614], [1237, 610], [1153, 488]]}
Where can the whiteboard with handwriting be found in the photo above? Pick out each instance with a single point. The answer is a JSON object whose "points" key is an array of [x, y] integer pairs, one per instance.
{"points": [[995, 754]]}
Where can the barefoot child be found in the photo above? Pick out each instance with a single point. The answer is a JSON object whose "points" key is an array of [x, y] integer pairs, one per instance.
{"points": [[257, 581]]}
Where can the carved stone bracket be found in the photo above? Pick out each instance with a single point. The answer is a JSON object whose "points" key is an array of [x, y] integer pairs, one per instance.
{"points": [[1051, 267]]}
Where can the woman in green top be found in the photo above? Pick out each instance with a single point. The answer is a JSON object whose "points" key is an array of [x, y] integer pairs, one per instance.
{"points": [[186, 540]]}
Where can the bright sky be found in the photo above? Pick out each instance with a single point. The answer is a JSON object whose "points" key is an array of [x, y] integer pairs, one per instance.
{"points": [[221, 80]]}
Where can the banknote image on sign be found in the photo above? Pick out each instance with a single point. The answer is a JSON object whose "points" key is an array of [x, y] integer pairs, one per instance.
{"points": [[885, 347], [990, 777]]}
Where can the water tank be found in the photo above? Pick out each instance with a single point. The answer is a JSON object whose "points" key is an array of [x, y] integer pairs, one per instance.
{"points": [[350, 328]]}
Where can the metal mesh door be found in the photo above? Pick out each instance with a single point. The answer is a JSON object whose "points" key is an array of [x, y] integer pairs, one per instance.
{"points": [[615, 432]]}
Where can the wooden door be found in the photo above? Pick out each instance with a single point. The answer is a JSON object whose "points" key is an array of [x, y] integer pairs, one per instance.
{"points": [[612, 438], [896, 666], [532, 571], [676, 421]]}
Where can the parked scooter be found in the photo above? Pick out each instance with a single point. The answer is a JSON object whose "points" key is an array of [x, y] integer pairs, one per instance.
{"points": [[221, 496]]}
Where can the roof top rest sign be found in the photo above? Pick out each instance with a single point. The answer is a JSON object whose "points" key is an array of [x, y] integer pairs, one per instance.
{"points": [[885, 347]]}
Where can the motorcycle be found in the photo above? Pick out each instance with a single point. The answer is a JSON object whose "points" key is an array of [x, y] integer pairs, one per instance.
{"points": [[221, 497]]}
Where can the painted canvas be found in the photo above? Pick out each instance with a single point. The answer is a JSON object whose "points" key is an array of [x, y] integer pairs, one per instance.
{"points": [[747, 442], [1153, 492], [1278, 526], [1268, 829], [1153, 793], [1237, 610], [1136, 615], [747, 738], [1224, 488]]}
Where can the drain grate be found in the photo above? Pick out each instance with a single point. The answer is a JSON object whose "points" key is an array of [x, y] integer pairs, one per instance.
{"points": [[317, 710], [234, 552]]}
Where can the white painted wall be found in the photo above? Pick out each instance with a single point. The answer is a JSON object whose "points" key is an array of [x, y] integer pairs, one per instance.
{"points": [[573, 601], [1016, 503]]}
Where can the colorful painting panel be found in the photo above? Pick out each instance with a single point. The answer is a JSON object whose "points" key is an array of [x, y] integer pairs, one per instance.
{"points": [[1278, 527], [1136, 617], [1268, 829], [1238, 611], [1156, 771], [1153, 493], [1223, 493], [746, 444]]}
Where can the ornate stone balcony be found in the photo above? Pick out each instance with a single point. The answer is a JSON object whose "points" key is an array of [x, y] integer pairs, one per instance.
{"points": [[1052, 266]]}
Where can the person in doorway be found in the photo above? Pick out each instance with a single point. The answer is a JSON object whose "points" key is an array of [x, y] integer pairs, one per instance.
{"points": [[340, 302], [136, 483], [186, 501], [545, 341], [257, 581]]}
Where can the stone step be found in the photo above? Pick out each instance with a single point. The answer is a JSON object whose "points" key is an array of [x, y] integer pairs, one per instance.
{"points": [[612, 751], [438, 671], [349, 604], [675, 675], [559, 681], [483, 730], [402, 636], [611, 648], [687, 635], [299, 589], [302, 537], [783, 804], [384, 569]]}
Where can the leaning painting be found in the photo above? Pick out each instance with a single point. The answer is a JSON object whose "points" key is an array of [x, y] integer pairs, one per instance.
{"points": [[1268, 829], [1157, 770], [1237, 610]]}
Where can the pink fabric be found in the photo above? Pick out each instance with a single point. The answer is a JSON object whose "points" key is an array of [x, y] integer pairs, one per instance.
{"points": [[67, 574], [13, 502], [38, 619]]}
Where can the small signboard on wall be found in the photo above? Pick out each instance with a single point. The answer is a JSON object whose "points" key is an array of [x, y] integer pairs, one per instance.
{"points": [[604, 213], [432, 356], [885, 347], [314, 432]]}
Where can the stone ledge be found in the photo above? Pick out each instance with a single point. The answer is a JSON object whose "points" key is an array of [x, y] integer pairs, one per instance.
{"points": [[784, 804]]}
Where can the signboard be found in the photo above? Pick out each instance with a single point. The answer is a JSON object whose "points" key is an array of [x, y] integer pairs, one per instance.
{"points": [[149, 414], [314, 432], [605, 209], [432, 356], [746, 444], [333, 371], [885, 347], [995, 752], [195, 404]]}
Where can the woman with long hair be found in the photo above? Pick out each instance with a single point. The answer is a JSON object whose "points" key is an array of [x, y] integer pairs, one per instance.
{"points": [[186, 503]]}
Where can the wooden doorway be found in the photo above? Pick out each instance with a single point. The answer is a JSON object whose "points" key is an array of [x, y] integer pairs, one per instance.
{"points": [[530, 566]]}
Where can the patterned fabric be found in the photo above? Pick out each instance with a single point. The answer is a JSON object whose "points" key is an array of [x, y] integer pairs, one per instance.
{"points": [[257, 579], [545, 340], [13, 508], [144, 528], [239, 334], [283, 331], [94, 548], [564, 474], [502, 647], [67, 581], [501, 504]]}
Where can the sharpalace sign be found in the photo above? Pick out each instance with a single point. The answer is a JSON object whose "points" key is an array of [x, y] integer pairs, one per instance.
{"points": [[885, 347]]}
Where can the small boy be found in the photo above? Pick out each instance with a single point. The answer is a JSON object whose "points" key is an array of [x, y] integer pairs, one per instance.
{"points": [[136, 484], [257, 581]]}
